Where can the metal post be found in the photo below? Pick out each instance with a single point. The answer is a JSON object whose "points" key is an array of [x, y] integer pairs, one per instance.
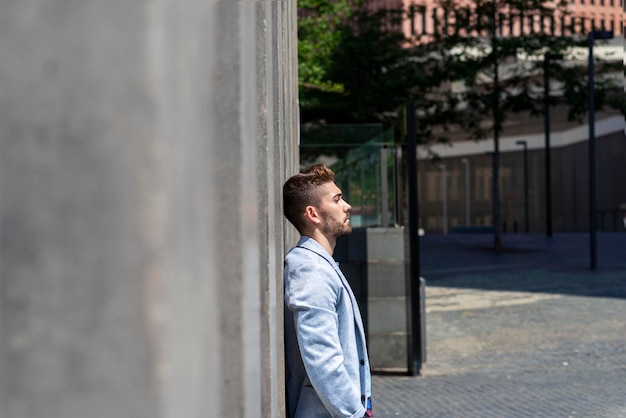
{"points": [[377, 180], [465, 162], [398, 186], [497, 238], [417, 349], [362, 190], [593, 227], [546, 111], [444, 198], [593, 253], [384, 183], [525, 145]]}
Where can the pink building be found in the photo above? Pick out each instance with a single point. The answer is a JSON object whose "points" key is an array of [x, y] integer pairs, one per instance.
{"points": [[607, 14], [581, 16]]}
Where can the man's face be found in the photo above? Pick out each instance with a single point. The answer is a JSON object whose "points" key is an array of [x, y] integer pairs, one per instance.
{"points": [[334, 211]]}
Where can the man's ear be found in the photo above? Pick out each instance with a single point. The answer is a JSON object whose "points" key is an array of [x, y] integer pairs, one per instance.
{"points": [[310, 213]]}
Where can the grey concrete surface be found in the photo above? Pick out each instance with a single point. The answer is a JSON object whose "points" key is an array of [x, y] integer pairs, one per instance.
{"points": [[531, 332], [142, 150]]}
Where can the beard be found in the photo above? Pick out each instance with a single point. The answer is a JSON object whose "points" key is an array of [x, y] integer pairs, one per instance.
{"points": [[334, 228]]}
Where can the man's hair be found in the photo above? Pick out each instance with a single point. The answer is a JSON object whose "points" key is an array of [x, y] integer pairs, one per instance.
{"points": [[301, 191]]}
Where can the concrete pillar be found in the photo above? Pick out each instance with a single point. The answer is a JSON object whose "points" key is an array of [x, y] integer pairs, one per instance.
{"points": [[374, 262], [142, 149]]}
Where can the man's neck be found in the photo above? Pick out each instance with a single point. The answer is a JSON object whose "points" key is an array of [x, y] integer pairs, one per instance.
{"points": [[326, 242]]}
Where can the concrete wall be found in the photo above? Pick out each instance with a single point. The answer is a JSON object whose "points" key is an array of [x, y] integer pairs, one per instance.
{"points": [[142, 149]]}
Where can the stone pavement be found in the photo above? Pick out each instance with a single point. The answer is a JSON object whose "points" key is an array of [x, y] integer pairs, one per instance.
{"points": [[530, 332]]}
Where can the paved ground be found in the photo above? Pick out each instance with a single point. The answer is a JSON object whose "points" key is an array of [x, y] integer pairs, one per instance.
{"points": [[531, 332]]}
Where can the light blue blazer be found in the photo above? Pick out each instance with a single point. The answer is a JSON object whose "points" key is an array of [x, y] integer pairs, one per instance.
{"points": [[327, 368]]}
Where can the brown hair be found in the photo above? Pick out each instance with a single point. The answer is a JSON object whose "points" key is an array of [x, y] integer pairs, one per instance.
{"points": [[301, 191]]}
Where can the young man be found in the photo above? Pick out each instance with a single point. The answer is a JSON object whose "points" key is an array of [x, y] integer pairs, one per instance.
{"points": [[328, 373]]}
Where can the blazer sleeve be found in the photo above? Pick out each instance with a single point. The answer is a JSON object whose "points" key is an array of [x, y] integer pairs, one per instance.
{"points": [[312, 295]]}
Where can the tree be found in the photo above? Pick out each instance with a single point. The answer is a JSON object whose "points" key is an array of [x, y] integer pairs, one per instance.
{"points": [[367, 70], [319, 22], [503, 76], [480, 64], [357, 66]]}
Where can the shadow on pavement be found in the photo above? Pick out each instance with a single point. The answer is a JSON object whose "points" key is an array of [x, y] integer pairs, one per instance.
{"points": [[528, 263]]}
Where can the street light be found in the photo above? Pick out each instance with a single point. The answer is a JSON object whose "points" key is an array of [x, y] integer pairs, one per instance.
{"points": [[525, 145], [546, 110], [593, 251], [444, 197], [465, 162]]}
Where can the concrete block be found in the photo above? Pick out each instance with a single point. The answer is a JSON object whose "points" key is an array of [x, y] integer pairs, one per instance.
{"points": [[387, 315], [385, 244], [386, 278], [388, 351]]}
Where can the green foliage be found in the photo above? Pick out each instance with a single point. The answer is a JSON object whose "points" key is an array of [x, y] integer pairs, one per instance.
{"points": [[357, 66], [318, 38], [348, 69]]}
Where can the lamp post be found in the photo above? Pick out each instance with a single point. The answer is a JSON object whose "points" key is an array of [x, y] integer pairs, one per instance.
{"points": [[444, 197], [525, 145], [546, 111], [465, 162], [496, 112], [417, 349], [593, 251]]}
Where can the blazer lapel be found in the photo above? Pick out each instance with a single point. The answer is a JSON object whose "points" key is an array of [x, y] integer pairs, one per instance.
{"points": [[312, 245]]}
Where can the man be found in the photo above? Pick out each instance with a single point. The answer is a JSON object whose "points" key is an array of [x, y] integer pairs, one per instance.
{"points": [[328, 373]]}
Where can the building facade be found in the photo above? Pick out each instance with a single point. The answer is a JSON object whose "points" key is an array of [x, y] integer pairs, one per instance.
{"points": [[456, 190], [579, 16], [464, 172]]}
